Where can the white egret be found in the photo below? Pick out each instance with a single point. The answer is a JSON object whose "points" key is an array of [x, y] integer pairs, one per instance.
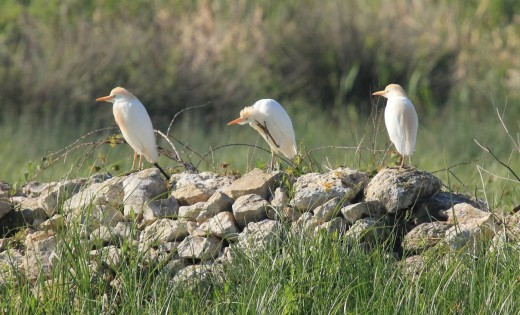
{"points": [[271, 121], [400, 120], [135, 125]]}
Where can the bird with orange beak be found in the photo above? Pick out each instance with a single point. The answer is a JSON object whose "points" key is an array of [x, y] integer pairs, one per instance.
{"points": [[400, 119], [273, 123], [135, 125]]}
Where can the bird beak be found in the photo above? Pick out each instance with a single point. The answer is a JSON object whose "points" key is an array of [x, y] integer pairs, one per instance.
{"points": [[380, 93], [236, 121], [105, 98]]}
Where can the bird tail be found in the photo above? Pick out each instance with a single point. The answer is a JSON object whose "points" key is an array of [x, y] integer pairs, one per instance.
{"points": [[161, 170]]}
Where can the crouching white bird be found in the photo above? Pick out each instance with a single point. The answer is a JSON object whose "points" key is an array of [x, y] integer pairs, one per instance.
{"points": [[271, 121], [400, 119], [135, 125]]}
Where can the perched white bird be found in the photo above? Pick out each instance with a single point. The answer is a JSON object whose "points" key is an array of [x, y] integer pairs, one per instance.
{"points": [[400, 119], [135, 125], [271, 120]]}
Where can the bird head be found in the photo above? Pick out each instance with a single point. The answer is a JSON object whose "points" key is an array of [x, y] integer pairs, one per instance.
{"points": [[115, 94], [245, 116], [391, 90]]}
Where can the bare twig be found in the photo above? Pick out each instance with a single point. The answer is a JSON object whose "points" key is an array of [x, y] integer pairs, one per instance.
{"points": [[181, 111], [487, 149], [177, 157]]}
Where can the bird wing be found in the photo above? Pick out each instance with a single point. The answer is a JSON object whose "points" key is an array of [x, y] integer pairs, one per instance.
{"points": [[137, 129], [281, 129], [401, 123]]}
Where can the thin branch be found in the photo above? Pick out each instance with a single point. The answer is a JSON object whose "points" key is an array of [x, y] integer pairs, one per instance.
{"points": [[177, 157], [181, 111]]}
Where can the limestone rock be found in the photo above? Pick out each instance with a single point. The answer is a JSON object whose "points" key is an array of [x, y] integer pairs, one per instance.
{"points": [[194, 275], [140, 188], [313, 189], [166, 230], [337, 225], [257, 235], [255, 182], [307, 223], [368, 209], [285, 214], [432, 208], [222, 225], [96, 215], [424, 236], [464, 213], [400, 189], [280, 199], [40, 255], [5, 204], [54, 223], [249, 208], [190, 213], [469, 237], [218, 202], [190, 188], [367, 231], [196, 247], [109, 192], [159, 209], [109, 256], [328, 210]]}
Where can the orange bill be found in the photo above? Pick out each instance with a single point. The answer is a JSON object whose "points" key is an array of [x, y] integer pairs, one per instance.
{"points": [[104, 98], [236, 121], [379, 93]]}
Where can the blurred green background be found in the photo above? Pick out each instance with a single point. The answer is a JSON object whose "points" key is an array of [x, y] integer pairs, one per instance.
{"points": [[459, 61]]}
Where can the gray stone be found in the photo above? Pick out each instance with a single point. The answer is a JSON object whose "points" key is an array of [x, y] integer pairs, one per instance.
{"points": [[337, 225], [40, 255], [196, 247], [174, 266], [424, 236], [190, 188], [367, 231], [255, 182], [222, 225], [194, 275], [5, 204], [286, 214], [190, 213], [414, 266], [307, 223], [95, 216], [109, 256], [280, 199], [400, 189], [159, 209], [469, 237], [140, 188], [249, 208], [313, 189], [431, 209], [368, 209], [328, 210], [257, 235], [463, 213], [54, 223], [217, 203], [166, 230], [107, 193]]}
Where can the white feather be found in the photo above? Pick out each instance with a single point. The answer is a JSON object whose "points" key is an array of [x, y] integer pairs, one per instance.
{"points": [[136, 126], [401, 122]]}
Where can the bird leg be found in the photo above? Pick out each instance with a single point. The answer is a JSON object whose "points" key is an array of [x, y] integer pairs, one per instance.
{"points": [[401, 161], [267, 133], [135, 158], [271, 168], [141, 166]]}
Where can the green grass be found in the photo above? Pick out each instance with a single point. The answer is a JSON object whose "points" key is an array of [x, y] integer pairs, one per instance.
{"points": [[296, 275]]}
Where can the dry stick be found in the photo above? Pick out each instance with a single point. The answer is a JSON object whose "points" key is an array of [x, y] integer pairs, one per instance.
{"points": [[179, 112], [487, 149], [517, 145], [187, 166]]}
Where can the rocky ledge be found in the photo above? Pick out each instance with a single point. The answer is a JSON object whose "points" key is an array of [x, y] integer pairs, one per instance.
{"points": [[194, 223]]}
